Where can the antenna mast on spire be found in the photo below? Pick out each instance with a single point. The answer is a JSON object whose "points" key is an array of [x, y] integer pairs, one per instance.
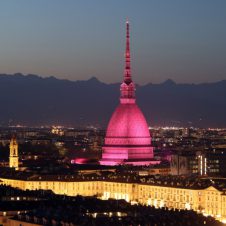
{"points": [[127, 71]]}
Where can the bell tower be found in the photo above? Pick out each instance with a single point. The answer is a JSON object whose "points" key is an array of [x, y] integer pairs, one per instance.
{"points": [[13, 153]]}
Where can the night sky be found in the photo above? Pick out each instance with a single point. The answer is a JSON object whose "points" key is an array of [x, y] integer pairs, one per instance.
{"points": [[77, 39]]}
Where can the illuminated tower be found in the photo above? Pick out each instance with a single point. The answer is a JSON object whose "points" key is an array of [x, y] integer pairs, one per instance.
{"points": [[13, 154], [127, 140]]}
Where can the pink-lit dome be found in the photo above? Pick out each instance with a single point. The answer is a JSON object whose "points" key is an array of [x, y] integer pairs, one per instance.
{"points": [[127, 126], [127, 140]]}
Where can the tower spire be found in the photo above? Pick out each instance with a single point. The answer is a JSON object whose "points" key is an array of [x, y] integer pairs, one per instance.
{"points": [[127, 87], [127, 71]]}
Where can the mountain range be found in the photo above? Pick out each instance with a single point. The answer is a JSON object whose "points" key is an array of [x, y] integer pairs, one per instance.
{"points": [[34, 101]]}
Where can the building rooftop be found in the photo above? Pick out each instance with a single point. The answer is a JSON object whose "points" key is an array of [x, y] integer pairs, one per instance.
{"points": [[191, 182]]}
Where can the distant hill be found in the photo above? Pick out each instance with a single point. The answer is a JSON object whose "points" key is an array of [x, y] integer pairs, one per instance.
{"points": [[33, 100]]}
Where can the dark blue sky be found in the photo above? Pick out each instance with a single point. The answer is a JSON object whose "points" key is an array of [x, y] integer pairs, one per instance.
{"points": [[77, 39]]}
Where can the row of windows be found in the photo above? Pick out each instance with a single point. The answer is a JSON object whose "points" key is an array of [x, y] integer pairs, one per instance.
{"points": [[144, 190]]}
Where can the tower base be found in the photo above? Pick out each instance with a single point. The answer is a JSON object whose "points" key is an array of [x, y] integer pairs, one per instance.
{"points": [[138, 162], [127, 155]]}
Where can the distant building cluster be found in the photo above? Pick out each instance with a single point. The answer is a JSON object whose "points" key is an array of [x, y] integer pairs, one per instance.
{"points": [[181, 151]]}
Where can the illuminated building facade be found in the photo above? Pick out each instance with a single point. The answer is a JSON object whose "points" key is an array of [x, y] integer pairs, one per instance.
{"points": [[127, 139], [209, 162], [208, 200], [13, 154]]}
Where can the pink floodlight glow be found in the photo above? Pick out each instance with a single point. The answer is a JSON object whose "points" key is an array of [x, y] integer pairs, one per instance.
{"points": [[128, 139], [79, 161]]}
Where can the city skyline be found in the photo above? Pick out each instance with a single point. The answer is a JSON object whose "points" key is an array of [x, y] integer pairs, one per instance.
{"points": [[181, 41], [106, 125]]}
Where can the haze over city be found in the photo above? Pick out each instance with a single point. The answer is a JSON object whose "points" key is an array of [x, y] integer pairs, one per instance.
{"points": [[75, 40]]}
